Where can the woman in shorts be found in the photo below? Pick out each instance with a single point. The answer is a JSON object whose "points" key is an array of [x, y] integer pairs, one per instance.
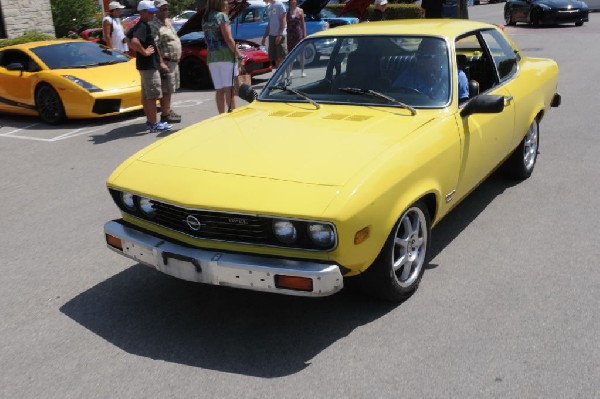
{"points": [[222, 52]]}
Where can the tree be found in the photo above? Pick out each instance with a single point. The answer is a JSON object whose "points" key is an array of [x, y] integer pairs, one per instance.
{"points": [[72, 15]]}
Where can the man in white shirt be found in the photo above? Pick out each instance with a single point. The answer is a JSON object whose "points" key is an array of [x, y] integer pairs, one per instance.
{"points": [[112, 30]]}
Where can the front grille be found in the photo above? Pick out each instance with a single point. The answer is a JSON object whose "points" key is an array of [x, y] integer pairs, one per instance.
{"points": [[213, 225], [221, 226]]}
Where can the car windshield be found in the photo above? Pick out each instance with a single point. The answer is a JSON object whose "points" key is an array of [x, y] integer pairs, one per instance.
{"points": [[81, 54], [366, 70]]}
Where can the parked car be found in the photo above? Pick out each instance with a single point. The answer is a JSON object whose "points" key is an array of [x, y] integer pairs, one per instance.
{"points": [[62, 79], [130, 21], [338, 174], [546, 12], [92, 34], [251, 23], [194, 69], [184, 16]]}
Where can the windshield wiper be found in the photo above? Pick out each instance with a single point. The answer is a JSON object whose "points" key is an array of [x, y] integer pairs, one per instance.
{"points": [[296, 92], [373, 93]]}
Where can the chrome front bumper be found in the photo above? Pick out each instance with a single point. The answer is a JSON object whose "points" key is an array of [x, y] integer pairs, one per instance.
{"points": [[252, 272]]}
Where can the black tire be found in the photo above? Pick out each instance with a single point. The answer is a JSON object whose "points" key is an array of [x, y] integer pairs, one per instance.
{"points": [[396, 273], [579, 23], [311, 55], [535, 18], [522, 161], [195, 74], [49, 105], [508, 17]]}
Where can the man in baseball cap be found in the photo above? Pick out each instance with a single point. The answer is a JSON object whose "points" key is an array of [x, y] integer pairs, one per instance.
{"points": [[147, 5], [113, 5]]}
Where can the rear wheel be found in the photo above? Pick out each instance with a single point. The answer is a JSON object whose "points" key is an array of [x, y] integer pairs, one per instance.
{"points": [[579, 23], [49, 104], [397, 271], [195, 74], [521, 163], [310, 54]]}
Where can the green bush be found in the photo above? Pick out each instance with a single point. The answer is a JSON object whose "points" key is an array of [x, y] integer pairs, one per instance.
{"points": [[72, 15], [26, 38], [400, 10]]}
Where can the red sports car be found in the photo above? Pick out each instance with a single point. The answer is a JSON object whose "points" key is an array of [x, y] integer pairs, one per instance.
{"points": [[194, 69], [93, 34]]}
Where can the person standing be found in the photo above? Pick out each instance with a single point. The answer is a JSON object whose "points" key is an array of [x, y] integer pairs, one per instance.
{"points": [[296, 29], [378, 12], [276, 31], [148, 63], [112, 30], [222, 52], [169, 49]]}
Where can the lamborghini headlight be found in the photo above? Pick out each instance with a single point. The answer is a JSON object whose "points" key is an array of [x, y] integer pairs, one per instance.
{"points": [[83, 84]]}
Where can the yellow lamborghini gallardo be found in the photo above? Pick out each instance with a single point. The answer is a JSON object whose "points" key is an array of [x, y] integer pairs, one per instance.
{"points": [[63, 79]]}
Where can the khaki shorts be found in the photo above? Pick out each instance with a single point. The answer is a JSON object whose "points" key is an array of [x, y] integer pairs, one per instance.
{"points": [[170, 83], [151, 84], [277, 51]]}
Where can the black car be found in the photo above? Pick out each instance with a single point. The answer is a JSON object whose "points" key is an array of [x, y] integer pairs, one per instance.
{"points": [[546, 12]]}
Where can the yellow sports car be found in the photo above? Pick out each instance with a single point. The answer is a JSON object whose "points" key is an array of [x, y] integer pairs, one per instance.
{"points": [[67, 79], [339, 170]]}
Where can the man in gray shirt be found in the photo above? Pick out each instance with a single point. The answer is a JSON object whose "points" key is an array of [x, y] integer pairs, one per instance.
{"points": [[276, 31]]}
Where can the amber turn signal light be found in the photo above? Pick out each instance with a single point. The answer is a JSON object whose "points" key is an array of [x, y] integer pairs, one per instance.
{"points": [[114, 242], [294, 283], [362, 235]]}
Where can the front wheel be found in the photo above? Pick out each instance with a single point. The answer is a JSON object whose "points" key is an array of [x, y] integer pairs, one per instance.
{"points": [[396, 273], [521, 163], [508, 17], [49, 105], [579, 23]]}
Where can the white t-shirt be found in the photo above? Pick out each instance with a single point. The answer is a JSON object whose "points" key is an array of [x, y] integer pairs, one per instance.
{"points": [[118, 34]]}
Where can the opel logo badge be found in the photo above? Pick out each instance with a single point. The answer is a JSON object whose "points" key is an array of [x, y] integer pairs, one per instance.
{"points": [[193, 222]]}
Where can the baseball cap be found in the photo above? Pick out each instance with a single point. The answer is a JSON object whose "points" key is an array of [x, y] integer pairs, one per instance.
{"points": [[381, 2], [160, 3], [113, 5], [147, 5]]}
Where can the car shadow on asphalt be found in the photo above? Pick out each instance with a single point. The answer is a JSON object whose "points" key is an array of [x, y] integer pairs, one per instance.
{"points": [[149, 314]]}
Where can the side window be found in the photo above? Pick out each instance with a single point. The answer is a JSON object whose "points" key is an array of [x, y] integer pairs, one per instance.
{"points": [[475, 62], [11, 56], [503, 54]]}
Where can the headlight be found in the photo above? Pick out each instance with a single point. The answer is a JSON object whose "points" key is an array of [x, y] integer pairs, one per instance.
{"points": [[321, 234], [285, 231], [128, 200], [85, 85], [147, 207]]}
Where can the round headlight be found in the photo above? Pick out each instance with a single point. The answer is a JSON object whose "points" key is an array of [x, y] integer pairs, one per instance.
{"points": [[321, 234], [285, 231], [128, 200], [147, 207]]}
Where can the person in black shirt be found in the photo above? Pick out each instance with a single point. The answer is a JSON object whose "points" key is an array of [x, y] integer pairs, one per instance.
{"points": [[148, 63]]}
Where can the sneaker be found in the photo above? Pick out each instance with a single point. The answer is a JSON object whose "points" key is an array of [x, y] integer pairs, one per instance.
{"points": [[303, 75], [158, 127], [172, 117]]}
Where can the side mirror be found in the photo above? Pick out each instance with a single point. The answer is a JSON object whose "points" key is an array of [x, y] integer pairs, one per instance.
{"points": [[247, 93], [484, 104], [15, 66]]}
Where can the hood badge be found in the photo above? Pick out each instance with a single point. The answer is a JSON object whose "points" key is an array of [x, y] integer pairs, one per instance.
{"points": [[193, 222]]}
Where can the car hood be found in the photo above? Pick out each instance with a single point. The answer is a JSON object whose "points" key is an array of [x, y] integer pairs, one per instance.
{"points": [[562, 3], [112, 77], [194, 24], [313, 6]]}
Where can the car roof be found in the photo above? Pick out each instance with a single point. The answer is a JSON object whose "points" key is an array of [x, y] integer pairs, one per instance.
{"points": [[433, 27]]}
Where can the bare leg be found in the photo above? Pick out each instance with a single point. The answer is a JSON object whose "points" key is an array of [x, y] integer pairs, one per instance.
{"points": [[220, 98], [229, 97], [165, 104], [150, 109]]}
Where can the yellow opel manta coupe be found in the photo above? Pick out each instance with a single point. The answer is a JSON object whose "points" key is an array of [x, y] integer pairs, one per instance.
{"points": [[340, 171]]}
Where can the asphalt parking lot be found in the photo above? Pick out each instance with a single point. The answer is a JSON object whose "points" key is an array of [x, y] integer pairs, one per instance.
{"points": [[507, 309]]}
